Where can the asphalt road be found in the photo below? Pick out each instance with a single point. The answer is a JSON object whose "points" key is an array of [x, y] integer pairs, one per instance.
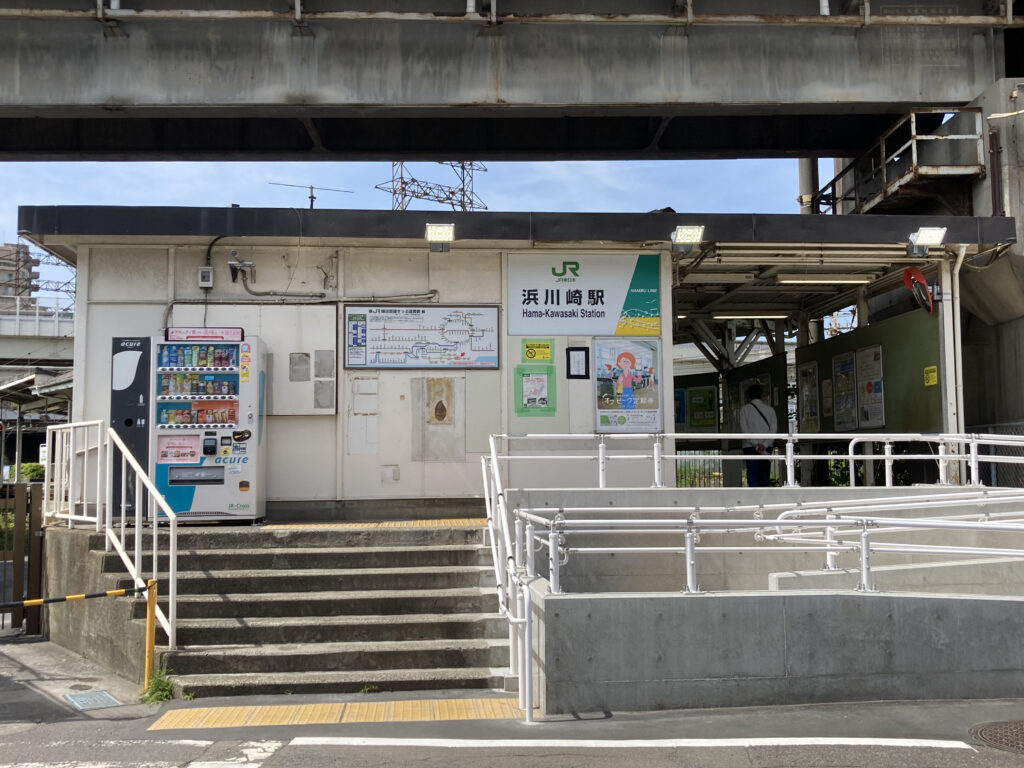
{"points": [[39, 727]]}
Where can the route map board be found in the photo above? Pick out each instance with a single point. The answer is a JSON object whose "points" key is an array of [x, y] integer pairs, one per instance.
{"points": [[427, 336]]}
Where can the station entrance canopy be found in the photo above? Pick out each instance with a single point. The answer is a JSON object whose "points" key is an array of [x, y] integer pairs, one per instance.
{"points": [[744, 264]]}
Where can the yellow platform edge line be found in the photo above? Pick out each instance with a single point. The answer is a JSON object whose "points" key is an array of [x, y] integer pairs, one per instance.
{"points": [[413, 710]]}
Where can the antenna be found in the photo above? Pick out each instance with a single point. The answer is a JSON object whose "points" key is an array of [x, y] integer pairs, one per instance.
{"points": [[310, 187]]}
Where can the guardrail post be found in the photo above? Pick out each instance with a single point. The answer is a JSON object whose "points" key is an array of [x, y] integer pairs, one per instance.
{"points": [[853, 467], [602, 464], [519, 543], [692, 587], [943, 469], [657, 464], [865, 562], [527, 667], [888, 464], [790, 463], [830, 540], [531, 559], [556, 588], [975, 465]]}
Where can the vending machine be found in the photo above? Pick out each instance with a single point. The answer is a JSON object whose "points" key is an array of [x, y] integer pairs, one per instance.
{"points": [[208, 437]]}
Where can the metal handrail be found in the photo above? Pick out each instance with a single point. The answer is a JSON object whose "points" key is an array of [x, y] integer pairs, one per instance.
{"points": [[66, 488], [517, 536], [849, 184]]}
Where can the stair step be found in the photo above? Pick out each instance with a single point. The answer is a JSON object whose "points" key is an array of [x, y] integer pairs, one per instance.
{"points": [[314, 658], [259, 537], [306, 558], [340, 629], [319, 579], [248, 684], [345, 603]]}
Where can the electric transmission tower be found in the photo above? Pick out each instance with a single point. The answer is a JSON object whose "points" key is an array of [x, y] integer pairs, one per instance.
{"points": [[404, 188]]}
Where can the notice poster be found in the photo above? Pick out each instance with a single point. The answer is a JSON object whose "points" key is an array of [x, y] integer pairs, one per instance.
{"points": [[870, 400], [535, 390], [826, 397], [702, 409], [585, 294], [177, 449], [807, 397], [627, 392], [844, 391]]}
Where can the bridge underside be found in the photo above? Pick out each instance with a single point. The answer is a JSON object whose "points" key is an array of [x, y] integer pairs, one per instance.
{"points": [[178, 88]]}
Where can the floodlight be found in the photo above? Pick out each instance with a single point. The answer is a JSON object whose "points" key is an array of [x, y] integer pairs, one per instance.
{"points": [[440, 236], [925, 237], [822, 279], [685, 237]]}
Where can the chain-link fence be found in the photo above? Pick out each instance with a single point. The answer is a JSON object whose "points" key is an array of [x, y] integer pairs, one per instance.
{"points": [[1006, 475]]}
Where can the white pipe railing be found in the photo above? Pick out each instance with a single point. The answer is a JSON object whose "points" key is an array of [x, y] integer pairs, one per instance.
{"points": [[821, 526], [74, 450]]}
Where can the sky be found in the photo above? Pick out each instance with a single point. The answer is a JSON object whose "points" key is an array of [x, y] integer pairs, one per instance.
{"points": [[697, 186]]}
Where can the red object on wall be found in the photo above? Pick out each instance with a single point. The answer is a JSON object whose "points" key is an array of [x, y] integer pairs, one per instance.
{"points": [[917, 284]]}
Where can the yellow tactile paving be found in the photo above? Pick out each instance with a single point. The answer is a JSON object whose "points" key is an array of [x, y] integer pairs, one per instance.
{"points": [[415, 710], [454, 522]]}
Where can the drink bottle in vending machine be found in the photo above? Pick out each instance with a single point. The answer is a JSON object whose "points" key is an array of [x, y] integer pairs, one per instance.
{"points": [[208, 436]]}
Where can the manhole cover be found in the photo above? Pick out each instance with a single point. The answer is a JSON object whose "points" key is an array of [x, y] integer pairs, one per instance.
{"points": [[1008, 735], [92, 700]]}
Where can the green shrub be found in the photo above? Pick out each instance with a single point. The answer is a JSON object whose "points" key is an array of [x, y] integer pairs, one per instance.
{"points": [[159, 688], [33, 471]]}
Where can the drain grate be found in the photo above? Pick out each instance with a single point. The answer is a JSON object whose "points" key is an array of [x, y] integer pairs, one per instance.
{"points": [[1008, 735], [92, 700]]}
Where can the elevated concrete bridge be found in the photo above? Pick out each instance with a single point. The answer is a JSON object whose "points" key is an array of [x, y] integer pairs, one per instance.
{"points": [[505, 79]]}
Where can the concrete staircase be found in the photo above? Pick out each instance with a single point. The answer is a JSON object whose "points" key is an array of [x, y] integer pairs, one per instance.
{"points": [[330, 609]]}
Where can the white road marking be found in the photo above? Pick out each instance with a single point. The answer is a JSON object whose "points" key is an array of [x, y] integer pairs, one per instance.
{"points": [[813, 741]]}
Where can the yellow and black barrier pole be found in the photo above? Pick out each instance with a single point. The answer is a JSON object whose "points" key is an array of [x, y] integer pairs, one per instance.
{"points": [[150, 589]]}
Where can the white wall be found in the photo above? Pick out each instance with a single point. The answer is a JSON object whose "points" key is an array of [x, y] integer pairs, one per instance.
{"points": [[374, 440]]}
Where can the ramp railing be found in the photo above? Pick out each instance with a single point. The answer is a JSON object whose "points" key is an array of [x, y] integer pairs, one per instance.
{"points": [[78, 488], [831, 528]]}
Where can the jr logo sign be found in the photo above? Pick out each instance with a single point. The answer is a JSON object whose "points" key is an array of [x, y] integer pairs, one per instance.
{"points": [[568, 267]]}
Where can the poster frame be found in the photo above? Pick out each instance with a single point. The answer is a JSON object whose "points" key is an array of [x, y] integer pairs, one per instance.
{"points": [[493, 312], [654, 345]]}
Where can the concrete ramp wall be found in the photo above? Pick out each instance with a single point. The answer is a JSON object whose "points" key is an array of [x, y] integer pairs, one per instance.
{"points": [[999, 577], [603, 652]]}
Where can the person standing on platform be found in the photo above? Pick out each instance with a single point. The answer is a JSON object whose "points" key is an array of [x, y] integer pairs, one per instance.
{"points": [[755, 417]]}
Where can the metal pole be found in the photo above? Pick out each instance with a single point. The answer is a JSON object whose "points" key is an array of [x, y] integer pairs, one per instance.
{"points": [[830, 539], [553, 562], [888, 464], [657, 464], [520, 644], [519, 544], [865, 562], [531, 559], [943, 479], [691, 563], [975, 470], [172, 582], [150, 629], [790, 464], [602, 465], [528, 655]]}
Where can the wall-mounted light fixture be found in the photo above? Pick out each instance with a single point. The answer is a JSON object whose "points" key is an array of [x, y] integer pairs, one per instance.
{"points": [[924, 238], [822, 279], [440, 236], [685, 237]]}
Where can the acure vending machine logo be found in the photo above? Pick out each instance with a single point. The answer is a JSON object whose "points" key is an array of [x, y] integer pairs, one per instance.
{"points": [[568, 267]]}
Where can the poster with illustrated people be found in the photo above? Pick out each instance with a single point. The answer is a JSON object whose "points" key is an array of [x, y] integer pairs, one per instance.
{"points": [[627, 391]]}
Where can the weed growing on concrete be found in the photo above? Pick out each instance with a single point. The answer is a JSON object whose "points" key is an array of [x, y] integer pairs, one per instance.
{"points": [[370, 688], [159, 688]]}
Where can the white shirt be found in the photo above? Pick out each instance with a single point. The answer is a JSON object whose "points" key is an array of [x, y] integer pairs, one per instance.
{"points": [[750, 421]]}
